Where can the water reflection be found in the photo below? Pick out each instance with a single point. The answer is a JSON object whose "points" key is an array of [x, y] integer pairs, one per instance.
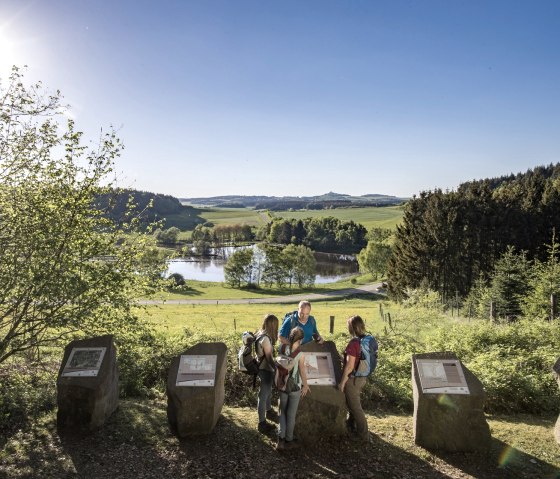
{"points": [[330, 267]]}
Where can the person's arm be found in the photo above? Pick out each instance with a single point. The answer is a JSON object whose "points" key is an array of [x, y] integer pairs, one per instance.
{"points": [[267, 349], [303, 373], [284, 332], [316, 336], [348, 368]]}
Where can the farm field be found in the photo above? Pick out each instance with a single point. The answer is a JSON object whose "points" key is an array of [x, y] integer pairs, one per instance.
{"points": [[223, 216], [229, 318], [371, 217]]}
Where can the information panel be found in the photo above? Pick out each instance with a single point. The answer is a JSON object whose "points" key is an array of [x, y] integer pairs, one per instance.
{"points": [[320, 370], [84, 362], [197, 370], [442, 376]]}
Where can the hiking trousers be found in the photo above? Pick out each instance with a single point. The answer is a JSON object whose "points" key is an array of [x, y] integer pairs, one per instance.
{"points": [[352, 391], [288, 409], [265, 393]]}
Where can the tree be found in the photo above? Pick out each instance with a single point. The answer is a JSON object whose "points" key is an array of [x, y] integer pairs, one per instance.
{"points": [[239, 268], [169, 236], [374, 258], [300, 265], [543, 282], [65, 266], [509, 283]]}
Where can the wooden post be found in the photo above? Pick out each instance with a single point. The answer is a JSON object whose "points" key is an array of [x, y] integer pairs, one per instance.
{"points": [[553, 306], [492, 310], [234, 325], [331, 329]]}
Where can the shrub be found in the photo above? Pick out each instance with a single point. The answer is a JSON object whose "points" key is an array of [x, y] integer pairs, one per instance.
{"points": [[25, 391]]}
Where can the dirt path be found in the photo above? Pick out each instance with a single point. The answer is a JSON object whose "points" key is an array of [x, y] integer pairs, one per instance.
{"points": [[293, 298]]}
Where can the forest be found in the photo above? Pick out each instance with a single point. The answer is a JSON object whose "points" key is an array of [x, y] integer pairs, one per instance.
{"points": [[452, 241]]}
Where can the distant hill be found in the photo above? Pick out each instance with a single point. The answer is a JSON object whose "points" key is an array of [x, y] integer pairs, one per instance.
{"points": [[276, 203]]}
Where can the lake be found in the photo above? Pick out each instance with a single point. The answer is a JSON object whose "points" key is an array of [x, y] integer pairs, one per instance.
{"points": [[330, 267]]}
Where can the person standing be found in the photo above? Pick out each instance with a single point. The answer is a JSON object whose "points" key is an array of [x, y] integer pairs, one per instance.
{"points": [[289, 401], [301, 318], [350, 384], [264, 346]]}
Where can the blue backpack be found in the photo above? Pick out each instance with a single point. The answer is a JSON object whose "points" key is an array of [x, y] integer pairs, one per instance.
{"points": [[368, 356]]}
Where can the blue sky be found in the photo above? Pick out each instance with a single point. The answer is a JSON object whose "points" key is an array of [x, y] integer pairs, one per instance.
{"points": [[301, 97]]}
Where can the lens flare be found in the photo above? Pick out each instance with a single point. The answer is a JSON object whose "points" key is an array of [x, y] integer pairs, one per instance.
{"points": [[506, 456], [445, 400]]}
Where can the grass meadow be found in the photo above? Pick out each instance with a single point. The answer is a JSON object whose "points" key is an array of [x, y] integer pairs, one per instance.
{"points": [[371, 217], [230, 216], [229, 318]]}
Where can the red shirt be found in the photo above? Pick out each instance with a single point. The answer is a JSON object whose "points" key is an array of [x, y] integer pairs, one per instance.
{"points": [[353, 349]]}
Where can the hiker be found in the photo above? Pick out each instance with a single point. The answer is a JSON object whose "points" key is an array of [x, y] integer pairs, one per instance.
{"points": [[350, 384], [289, 401], [302, 318], [264, 347]]}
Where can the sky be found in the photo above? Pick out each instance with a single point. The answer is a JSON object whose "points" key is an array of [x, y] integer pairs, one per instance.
{"points": [[301, 97]]}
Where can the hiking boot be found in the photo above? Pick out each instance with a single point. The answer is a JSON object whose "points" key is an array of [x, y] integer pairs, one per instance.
{"points": [[281, 444], [290, 444], [350, 425], [272, 415], [265, 427]]}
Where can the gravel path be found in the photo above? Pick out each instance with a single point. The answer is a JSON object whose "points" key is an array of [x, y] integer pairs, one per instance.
{"points": [[294, 298]]}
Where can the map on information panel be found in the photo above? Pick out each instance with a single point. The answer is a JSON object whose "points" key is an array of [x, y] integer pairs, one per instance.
{"points": [[84, 362], [197, 370], [442, 376], [319, 368]]}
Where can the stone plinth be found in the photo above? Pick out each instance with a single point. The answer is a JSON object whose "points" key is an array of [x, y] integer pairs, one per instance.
{"points": [[556, 373], [196, 389], [322, 412], [449, 421], [87, 384]]}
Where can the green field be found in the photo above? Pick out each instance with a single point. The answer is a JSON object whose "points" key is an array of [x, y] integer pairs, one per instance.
{"points": [[230, 216], [371, 217], [228, 318]]}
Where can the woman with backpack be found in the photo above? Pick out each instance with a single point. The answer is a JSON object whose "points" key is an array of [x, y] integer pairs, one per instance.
{"points": [[352, 385], [289, 401], [264, 346]]}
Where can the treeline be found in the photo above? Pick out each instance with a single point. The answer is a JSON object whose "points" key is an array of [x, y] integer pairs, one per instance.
{"points": [[326, 234], [284, 205], [121, 204], [449, 240]]}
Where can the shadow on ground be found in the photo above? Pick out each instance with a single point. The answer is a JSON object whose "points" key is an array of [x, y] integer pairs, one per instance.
{"points": [[502, 461], [136, 443]]}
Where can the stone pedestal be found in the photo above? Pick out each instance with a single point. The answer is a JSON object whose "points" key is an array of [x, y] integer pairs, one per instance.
{"points": [[87, 384], [556, 373], [194, 406], [322, 412], [449, 421]]}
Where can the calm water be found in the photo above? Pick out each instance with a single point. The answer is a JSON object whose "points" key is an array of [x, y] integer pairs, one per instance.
{"points": [[330, 267]]}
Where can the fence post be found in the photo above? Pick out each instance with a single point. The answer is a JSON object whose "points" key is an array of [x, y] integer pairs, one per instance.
{"points": [[234, 325], [492, 310], [553, 306], [332, 325]]}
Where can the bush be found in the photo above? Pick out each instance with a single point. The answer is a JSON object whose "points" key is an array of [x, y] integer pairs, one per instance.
{"points": [[25, 392], [513, 361], [177, 280]]}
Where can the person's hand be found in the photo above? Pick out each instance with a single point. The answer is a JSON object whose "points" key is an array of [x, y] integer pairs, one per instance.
{"points": [[305, 390], [321, 340], [341, 385]]}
